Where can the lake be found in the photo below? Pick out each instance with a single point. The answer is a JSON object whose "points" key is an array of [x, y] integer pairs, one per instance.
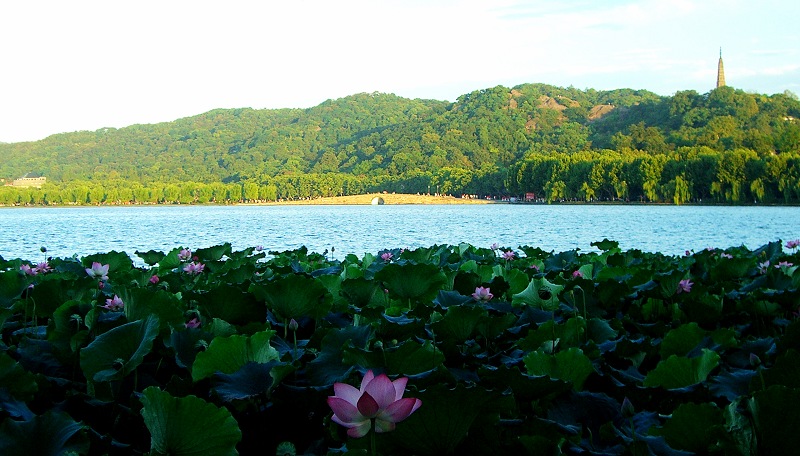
{"points": [[359, 229]]}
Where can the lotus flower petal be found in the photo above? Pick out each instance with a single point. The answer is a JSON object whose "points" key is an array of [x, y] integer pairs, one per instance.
{"points": [[347, 392], [359, 430], [368, 406], [399, 387], [344, 412], [399, 410], [382, 390]]}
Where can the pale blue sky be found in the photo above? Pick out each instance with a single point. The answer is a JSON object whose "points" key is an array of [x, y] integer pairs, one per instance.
{"points": [[90, 64]]}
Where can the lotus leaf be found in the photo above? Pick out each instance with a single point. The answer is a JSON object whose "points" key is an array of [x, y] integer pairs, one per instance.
{"points": [[52, 434], [680, 372], [412, 282], [188, 426], [570, 365], [294, 296], [116, 353], [540, 293], [229, 354]]}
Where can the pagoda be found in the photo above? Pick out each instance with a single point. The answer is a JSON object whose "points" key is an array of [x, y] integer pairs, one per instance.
{"points": [[720, 71]]}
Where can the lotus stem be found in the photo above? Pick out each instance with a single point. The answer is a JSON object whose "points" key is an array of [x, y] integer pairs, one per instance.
{"points": [[372, 444]]}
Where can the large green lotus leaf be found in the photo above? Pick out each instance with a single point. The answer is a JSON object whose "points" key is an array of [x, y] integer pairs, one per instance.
{"points": [[705, 309], [141, 302], [188, 426], [170, 261], [359, 291], [48, 295], [117, 261], [570, 333], [54, 433], [250, 380], [151, 257], [785, 371], [680, 372], [229, 354], [63, 326], [540, 293], [418, 255], [11, 287], [328, 366], [681, 340], [570, 365], [186, 344], [294, 296], [412, 282], [408, 358], [606, 245], [562, 261], [668, 282], [693, 427], [459, 323], [525, 387], [732, 385], [214, 253], [774, 413], [491, 327], [600, 330], [516, 279], [116, 353], [466, 282], [333, 283], [18, 381], [231, 304], [442, 422], [730, 269]]}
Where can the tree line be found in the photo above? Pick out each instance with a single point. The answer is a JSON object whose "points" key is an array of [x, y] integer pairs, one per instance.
{"points": [[556, 143]]}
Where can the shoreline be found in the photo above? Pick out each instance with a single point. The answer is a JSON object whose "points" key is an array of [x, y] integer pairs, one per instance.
{"points": [[397, 199]]}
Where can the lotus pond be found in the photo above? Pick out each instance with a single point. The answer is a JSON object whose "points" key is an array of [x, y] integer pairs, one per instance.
{"points": [[490, 350]]}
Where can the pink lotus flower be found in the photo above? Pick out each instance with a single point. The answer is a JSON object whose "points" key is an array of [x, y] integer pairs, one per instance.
{"points": [[386, 256], [534, 267], [114, 304], [494, 246], [43, 267], [762, 267], [379, 400], [28, 270], [193, 323], [184, 254], [793, 244], [725, 255], [577, 274], [482, 294], [98, 271], [154, 279], [685, 286], [194, 268], [784, 264], [508, 255]]}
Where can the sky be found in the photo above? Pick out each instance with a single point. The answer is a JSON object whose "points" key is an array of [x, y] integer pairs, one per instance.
{"points": [[86, 65]]}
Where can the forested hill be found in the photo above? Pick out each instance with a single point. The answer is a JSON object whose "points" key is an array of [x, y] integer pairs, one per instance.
{"points": [[556, 142]]}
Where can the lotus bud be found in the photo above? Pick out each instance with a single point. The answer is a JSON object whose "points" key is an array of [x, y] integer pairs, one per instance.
{"points": [[627, 409]]}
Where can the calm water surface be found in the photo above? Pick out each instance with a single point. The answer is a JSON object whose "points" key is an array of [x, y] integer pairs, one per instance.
{"points": [[360, 229]]}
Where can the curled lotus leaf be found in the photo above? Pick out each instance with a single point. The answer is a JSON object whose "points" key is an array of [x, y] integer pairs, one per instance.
{"points": [[540, 293]]}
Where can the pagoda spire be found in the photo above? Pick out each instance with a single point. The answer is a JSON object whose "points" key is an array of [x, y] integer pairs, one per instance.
{"points": [[720, 71]]}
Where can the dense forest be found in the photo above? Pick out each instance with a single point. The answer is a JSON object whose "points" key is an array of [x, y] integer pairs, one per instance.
{"points": [[724, 146]]}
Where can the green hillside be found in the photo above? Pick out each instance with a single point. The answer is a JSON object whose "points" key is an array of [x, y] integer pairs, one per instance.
{"points": [[559, 143]]}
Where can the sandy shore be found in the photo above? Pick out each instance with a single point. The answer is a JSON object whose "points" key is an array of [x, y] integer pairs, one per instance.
{"points": [[388, 198]]}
